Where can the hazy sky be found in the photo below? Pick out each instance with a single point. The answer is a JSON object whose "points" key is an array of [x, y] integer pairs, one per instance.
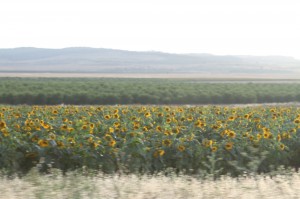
{"points": [[255, 27]]}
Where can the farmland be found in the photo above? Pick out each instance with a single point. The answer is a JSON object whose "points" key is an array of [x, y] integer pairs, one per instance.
{"points": [[111, 91], [69, 137], [202, 140]]}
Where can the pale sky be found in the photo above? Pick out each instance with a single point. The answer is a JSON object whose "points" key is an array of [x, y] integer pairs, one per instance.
{"points": [[221, 27]]}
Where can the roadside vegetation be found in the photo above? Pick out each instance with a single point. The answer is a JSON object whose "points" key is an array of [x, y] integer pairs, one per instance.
{"points": [[82, 185]]}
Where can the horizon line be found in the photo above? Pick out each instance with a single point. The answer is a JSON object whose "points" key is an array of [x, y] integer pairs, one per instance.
{"points": [[148, 51]]}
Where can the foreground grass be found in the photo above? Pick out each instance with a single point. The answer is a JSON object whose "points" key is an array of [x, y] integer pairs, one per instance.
{"points": [[75, 185]]}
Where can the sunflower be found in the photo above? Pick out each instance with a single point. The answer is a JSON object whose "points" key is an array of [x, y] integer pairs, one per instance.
{"points": [[245, 134], [251, 137], [259, 136], [168, 120], [136, 127], [168, 132], [297, 121], [167, 109], [90, 139], [228, 145], [231, 118], [117, 124], [45, 126], [71, 140], [167, 142], [179, 110], [112, 143], [60, 144], [181, 148], [111, 129], [279, 137], [107, 117], [147, 114], [17, 126], [64, 127], [95, 144], [293, 131], [214, 149], [267, 135], [256, 120], [52, 136], [160, 115], [55, 112], [207, 143], [247, 116], [158, 128], [231, 134], [2, 124], [198, 123], [217, 112], [92, 125], [217, 126], [175, 130], [34, 139], [285, 135], [84, 127], [5, 132], [282, 146], [132, 134], [43, 143], [159, 152], [190, 118], [136, 124], [108, 137]]}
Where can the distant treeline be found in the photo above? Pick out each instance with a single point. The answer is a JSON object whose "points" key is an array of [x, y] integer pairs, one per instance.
{"points": [[49, 91]]}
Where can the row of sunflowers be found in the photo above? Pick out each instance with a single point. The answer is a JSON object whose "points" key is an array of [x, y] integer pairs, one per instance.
{"points": [[190, 139]]}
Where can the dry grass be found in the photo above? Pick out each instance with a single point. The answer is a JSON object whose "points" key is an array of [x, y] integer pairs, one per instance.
{"points": [[102, 186]]}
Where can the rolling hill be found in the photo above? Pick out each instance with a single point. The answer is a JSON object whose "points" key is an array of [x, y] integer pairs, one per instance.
{"points": [[100, 60]]}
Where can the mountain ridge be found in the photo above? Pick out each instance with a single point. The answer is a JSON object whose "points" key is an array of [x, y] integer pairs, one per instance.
{"points": [[104, 60]]}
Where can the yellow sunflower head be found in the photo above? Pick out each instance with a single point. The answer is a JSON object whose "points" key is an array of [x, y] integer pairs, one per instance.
{"points": [[43, 143], [228, 145]]}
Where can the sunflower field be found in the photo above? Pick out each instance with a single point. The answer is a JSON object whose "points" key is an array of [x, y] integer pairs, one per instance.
{"points": [[149, 139]]}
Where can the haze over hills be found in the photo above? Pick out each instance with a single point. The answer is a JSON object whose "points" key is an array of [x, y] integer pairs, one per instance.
{"points": [[100, 60]]}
